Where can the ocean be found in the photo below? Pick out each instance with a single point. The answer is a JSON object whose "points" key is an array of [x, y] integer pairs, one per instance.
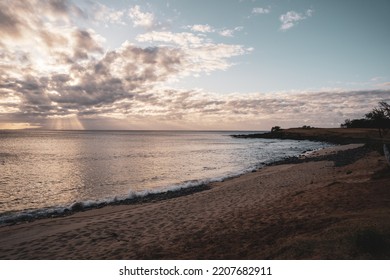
{"points": [[48, 172]]}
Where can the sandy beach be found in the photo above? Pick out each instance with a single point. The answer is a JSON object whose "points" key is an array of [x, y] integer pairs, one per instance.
{"points": [[188, 130], [309, 210]]}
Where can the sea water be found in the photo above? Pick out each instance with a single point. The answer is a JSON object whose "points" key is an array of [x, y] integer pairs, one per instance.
{"points": [[43, 171]]}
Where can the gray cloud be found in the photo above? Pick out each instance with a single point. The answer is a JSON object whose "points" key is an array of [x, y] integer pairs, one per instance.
{"points": [[107, 96], [65, 73], [20, 18], [119, 75], [59, 6], [85, 42], [8, 25], [314, 108]]}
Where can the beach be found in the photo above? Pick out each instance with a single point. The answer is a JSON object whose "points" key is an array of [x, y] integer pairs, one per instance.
{"points": [[313, 209], [187, 130]]}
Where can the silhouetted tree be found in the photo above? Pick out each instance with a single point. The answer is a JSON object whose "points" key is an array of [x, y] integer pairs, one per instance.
{"points": [[346, 124], [359, 123], [380, 116]]}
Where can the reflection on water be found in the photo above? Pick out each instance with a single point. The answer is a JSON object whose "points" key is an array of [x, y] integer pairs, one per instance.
{"points": [[52, 168]]}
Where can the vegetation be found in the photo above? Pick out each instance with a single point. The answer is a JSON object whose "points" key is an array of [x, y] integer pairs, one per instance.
{"points": [[275, 129], [378, 118]]}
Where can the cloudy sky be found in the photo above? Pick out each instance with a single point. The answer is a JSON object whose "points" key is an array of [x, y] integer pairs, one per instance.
{"points": [[186, 64]]}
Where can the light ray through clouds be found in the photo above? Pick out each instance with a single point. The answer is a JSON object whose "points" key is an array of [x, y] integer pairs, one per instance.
{"points": [[57, 72], [65, 123]]}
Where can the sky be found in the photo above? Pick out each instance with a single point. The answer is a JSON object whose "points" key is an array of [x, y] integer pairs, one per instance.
{"points": [[191, 65]]}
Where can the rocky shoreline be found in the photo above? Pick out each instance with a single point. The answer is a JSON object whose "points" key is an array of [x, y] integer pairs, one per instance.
{"points": [[340, 158], [340, 136]]}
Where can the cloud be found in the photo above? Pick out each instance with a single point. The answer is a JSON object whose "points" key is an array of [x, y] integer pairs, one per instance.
{"points": [[259, 10], [226, 33], [291, 18], [86, 42], [59, 7], [9, 26], [102, 13], [298, 108], [204, 28], [124, 85], [42, 32], [230, 32], [53, 71], [18, 16], [181, 39], [142, 19], [200, 54], [56, 74], [122, 75], [66, 74], [309, 12]]}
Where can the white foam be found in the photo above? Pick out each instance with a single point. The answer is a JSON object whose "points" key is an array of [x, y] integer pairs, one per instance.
{"points": [[31, 214]]}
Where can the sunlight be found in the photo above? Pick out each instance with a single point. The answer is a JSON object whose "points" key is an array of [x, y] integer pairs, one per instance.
{"points": [[17, 126], [70, 122]]}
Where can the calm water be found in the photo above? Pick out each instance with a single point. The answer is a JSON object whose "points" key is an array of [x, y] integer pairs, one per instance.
{"points": [[43, 170]]}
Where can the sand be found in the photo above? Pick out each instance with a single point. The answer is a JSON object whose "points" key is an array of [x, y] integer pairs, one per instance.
{"points": [[309, 210]]}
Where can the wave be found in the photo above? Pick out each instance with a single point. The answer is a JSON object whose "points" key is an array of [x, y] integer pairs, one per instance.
{"points": [[133, 197], [150, 195]]}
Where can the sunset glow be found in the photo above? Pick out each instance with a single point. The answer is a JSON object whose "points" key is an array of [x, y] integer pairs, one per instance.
{"points": [[237, 64]]}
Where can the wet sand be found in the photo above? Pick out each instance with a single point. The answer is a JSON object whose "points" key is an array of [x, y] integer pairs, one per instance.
{"points": [[307, 210]]}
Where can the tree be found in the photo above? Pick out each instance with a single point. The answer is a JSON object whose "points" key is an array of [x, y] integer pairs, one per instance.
{"points": [[380, 117], [275, 129], [347, 123], [358, 123]]}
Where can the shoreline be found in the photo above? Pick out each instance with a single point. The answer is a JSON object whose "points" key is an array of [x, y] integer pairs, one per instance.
{"points": [[162, 194], [340, 136], [144, 196], [83, 206], [329, 207]]}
